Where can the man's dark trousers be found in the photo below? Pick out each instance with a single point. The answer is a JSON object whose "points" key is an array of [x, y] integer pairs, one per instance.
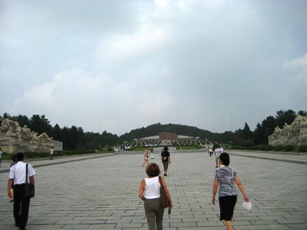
{"points": [[21, 205]]}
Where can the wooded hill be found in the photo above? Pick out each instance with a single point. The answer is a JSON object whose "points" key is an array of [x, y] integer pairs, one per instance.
{"points": [[75, 138]]}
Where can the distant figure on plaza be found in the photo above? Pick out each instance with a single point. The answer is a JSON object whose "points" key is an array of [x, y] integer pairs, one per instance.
{"points": [[145, 157], [210, 150], [217, 153], [51, 153], [151, 153], [166, 159], [149, 192], [221, 150], [18, 178], [0, 157], [226, 177]]}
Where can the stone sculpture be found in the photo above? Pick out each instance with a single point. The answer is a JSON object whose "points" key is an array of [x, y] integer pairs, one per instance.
{"points": [[14, 138], [294, 134]]}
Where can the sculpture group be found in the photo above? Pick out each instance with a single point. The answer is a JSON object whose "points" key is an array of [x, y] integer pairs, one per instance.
{"points": [[14, 138], [294, 134]]}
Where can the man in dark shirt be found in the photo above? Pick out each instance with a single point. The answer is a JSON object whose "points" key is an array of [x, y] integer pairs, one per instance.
{"points": [[166, 159]]}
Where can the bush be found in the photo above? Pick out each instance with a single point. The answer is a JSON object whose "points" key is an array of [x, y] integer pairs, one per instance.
{"points": [[247, 143], [261, 147], [238, 147], [7, 156], [289, 148], [278, 148], [266, 147], [189, 147], [302, 148], [29, 155]]}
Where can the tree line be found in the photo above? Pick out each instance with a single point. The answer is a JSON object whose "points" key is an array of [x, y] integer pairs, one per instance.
{"points": [[75, 138]]}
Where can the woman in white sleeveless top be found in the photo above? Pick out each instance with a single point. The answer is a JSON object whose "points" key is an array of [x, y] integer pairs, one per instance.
{"points": [[149, 192]]}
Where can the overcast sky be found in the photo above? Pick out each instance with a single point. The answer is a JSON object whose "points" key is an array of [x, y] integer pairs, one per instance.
{"points": [[119, 65]]}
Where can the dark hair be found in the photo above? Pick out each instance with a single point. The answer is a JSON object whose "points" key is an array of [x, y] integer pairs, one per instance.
{"points": [[152, 170], [20, 156], [224, 158], [165, 148], [14, 159]]}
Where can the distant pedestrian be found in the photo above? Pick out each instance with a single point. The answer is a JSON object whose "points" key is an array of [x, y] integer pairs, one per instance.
{"points": [[0, 157], [221, 150], [166, 159], [51, 153], [145, 157], [210, 151], [226, 177], [217, 153], [149, 192], [151, 153], [18, 178]]}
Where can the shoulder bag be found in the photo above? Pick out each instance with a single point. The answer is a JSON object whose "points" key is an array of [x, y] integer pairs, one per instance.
{"points": [[163, 197], [30, 189]]}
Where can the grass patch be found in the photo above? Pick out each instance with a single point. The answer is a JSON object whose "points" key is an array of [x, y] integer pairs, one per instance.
{"points": [[187, 147]]}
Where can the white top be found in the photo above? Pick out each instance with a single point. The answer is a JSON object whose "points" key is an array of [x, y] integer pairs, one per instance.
{"points": [[217, 152], [152, 188], [18, 172]]}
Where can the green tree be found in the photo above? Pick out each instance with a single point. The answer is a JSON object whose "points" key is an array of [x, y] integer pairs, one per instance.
{"points": [[71, 137], [263, 131], [247, 134], [108, 139], [258, 135], [90, 141], [302, 113], [40, 124], [56, 133], [5, 115], [23, 120], [284, 117]]}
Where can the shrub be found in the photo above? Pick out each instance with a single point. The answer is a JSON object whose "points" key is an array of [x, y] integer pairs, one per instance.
{"points": [[247, 143], [302, 148], [289, 148], [266, 147], [278, 148]]}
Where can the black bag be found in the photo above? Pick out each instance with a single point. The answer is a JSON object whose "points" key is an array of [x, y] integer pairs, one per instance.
{"points": [[30, 189], [163, 197]]}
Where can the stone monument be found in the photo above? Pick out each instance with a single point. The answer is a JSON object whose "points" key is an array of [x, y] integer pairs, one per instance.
{"points": [[294, 134], [14, 138]]}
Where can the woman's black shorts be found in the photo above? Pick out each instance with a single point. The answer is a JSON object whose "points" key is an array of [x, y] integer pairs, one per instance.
{"points": [[227, 205]]}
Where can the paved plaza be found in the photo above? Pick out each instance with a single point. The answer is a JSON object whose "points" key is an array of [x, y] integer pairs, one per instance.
{"points": [[102, 193]]}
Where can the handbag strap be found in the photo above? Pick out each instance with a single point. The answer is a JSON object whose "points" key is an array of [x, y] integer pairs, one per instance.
{"points": [[160, 181], [26, 173]]}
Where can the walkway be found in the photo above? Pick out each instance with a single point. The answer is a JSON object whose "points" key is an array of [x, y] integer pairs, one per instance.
{"points": [[102, 193]]}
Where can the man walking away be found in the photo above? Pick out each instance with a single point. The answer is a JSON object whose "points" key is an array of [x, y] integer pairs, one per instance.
{"points": [[18, 178]]}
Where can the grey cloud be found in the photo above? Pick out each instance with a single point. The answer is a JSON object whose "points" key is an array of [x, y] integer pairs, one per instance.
{"points": [[211, 64]]}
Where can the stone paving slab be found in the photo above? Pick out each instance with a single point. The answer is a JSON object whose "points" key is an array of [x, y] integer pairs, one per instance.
{"points": [[102, 193], [56, 160]]}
